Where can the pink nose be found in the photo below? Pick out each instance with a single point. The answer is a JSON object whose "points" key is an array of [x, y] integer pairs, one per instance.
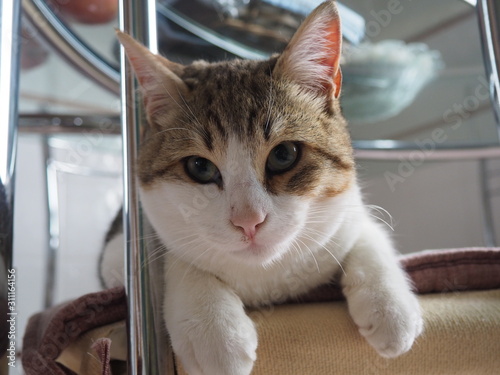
{"points": [[249, 222]]}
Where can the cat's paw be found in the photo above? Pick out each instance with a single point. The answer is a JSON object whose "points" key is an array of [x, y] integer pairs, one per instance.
{"points": [[389, 319], [222, 345]]}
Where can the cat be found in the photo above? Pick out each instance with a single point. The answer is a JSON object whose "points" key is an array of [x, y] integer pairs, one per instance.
{"points": [[247, 175]]}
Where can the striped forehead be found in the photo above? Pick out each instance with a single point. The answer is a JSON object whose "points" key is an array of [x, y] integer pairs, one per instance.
{"points": [[233, 99]]}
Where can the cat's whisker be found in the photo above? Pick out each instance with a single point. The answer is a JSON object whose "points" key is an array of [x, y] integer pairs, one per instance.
{"points": [[319, 208], [154, 254], [389, 225], [322, 234], [326, 249], [172, 265], [382, 210], [178, 259], [159, 253], [317, 213], [310, 252], [149, 236], [321, 220], [377, 208], [182, 239], [296, 247], [161, 248], [314, 214], [383, 221], [315, 221]]}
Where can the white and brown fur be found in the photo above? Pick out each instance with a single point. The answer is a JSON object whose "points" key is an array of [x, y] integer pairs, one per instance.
{"points": [[241, 241]]}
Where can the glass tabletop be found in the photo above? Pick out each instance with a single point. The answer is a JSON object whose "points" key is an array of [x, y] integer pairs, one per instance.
{"points": [[413, 71]]}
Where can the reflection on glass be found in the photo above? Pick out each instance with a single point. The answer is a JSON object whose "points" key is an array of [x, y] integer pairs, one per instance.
{"points": [[409, 67], [382, 79]]}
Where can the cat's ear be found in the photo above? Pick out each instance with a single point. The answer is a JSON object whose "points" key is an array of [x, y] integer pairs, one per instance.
{"points": [[158, 77], [312, 57]]}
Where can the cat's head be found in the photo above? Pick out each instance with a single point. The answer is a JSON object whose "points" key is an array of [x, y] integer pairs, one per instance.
{"points": [[246, 160]]}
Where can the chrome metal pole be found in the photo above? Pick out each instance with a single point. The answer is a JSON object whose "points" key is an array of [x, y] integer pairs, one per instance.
{"points": [[488, 12], [147, 340], [53, 228], [489, 237], [9, 80]]}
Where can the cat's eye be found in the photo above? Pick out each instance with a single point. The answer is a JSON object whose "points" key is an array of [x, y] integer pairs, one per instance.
{"points": [[283, 157], [202, 170]]}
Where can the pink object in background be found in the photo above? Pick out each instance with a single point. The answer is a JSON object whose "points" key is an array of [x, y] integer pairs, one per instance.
{"points": [[86, 11]]}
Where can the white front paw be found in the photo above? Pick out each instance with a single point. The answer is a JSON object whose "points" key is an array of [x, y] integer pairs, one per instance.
{"points": [[389, 319], [224, 344]]}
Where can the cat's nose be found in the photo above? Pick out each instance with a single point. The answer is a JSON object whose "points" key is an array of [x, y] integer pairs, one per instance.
{"points": [[249, 222]]}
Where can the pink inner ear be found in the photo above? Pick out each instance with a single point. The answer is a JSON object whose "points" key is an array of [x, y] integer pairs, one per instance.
{"points": [[331, 59], [337, 80], [148, 80]]}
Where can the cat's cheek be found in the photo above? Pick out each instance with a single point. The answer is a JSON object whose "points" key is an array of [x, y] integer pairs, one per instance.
{"points": [[174, 207], [290, 213]]}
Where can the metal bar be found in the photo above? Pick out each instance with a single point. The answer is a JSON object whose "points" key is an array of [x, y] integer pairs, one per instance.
{"points": [[44, 123], [488, 12], [211, 37], [427, 154], [9, 84], [381, 149], [147, 349], [488, 218], [71, 48], [52, 202]]}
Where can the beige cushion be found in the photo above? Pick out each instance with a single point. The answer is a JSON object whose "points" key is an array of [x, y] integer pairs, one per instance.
{"points": [[462, 336]]}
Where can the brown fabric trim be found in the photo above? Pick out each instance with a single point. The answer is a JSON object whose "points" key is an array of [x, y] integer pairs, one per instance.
{"points": [[435, 271], [48, 333], [451, 270]]}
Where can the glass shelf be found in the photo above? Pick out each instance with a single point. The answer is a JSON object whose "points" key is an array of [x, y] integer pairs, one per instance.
{"points": [[412, 70]]}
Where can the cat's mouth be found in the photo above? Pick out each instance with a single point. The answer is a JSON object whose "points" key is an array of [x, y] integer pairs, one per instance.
{"points": [[260, 254], [255, 249]]}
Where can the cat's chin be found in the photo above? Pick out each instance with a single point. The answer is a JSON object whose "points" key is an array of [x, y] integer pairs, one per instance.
{"points": [[255, 254]]}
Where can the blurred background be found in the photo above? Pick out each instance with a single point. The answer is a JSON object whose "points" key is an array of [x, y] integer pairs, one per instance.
{"points": [[415, 93]]}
